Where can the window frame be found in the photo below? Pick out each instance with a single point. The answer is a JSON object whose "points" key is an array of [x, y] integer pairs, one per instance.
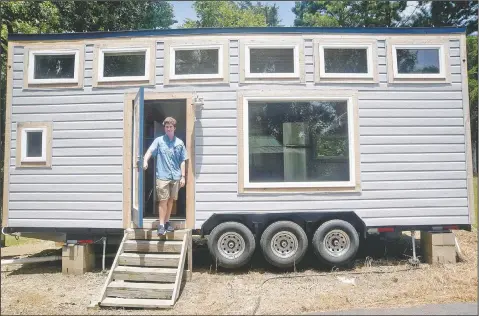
{"points": [[24, 142], [39, 51], [442, 61], [22, 160], [247, 59], [352, 144], [172, 59], [369, 55], [101, 64]]}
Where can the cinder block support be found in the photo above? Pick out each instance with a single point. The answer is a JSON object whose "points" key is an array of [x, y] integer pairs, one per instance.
{"points": [[77, 259], [438, 247]]}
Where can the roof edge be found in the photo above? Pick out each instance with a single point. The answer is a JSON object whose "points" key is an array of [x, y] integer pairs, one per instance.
{"points": [[240, 30]]}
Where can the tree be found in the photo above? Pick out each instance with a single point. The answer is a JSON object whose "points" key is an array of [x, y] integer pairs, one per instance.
{"points": [[231, 14], [472, 76], [446, 13], [348, 13], [73, 16]]}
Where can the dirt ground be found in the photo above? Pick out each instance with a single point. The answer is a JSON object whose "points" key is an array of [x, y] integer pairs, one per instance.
{"points": [[381, 277]]}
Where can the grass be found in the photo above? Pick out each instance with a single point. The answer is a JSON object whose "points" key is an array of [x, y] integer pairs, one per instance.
{"points": [[12, 241]]}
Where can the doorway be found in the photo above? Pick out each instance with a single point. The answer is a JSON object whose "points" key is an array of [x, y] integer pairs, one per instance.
{"points": [[155, 107], [155, 113]]}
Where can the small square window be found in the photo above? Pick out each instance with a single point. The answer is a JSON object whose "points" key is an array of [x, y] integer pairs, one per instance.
{"points": [[271, 61], [196, 62], [46, 67], [34, 144], [418, 61], [129, 64], [345, 61]]}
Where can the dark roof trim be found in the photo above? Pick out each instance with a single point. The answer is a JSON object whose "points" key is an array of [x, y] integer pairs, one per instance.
{"points": [[240, 30]]}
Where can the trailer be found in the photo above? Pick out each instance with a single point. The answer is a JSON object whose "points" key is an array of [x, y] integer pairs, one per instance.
{"points": [[298, 138]]}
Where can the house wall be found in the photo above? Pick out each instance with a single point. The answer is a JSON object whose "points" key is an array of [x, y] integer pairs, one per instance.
{"points": [[412, 148]]}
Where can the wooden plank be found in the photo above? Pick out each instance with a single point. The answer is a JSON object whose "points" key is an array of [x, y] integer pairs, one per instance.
{"points": [[153, 246], [179, 272], [140, 290], [152, 234], [150, 260], [136, 302], [167, 275], [113, 267]]}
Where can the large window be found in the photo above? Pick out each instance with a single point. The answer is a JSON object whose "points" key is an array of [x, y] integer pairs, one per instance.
{"points": [[298, 142], [50, 67], [418, 61], [124, 64], [33, 144], [196, 62], [268, 61], [345, 61]]}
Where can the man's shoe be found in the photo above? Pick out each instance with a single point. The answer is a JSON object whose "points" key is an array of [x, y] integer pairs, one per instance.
{"points": [[161, 230], [169, 228]]}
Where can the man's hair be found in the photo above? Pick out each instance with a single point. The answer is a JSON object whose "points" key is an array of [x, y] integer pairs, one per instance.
{"points": [[169, 120]]}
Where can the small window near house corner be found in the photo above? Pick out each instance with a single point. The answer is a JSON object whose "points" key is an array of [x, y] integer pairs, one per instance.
{"points": [[33, 145], [123, 64], [298, 143], [271, 62], [53, 67], [418, 61], [195, 62], [345, 61]]}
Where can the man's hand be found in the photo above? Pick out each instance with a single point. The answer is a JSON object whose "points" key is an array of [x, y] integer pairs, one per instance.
{"points": [[182, 182], [145, 164]]}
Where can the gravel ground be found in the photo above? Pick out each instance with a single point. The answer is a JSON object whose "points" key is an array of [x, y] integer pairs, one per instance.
{"points": [[386, 281]]}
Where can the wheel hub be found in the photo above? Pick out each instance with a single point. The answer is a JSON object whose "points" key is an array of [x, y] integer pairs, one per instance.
{"points": [[284, 244], [337, 242], [231, 245]]}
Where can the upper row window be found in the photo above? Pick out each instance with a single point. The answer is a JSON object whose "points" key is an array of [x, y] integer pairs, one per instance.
{"points": [[334, 61], [48, 67]]}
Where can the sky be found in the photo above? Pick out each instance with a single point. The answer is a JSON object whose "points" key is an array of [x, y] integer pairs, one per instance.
{"points": [[184, 10]]}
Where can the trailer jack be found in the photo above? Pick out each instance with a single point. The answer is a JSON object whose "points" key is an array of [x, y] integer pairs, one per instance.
{"points": [[414, 261]]}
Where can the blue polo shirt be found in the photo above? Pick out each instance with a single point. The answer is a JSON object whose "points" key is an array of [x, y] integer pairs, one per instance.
{"points": [[169, 156]]}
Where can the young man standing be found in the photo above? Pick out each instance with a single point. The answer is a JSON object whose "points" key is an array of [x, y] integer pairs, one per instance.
{"points": [[170, 170]]}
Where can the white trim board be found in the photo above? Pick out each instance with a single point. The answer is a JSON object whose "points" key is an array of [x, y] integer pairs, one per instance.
{"points": [[123, 51], [174, 76], [247, 59], [31, 65]]}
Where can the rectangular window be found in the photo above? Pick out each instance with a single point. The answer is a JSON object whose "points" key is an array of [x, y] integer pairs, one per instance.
{"points": [[418, 61], [346, 61], [33, 144], [271, 61], [46, 67], [196, 62], [298, 142], [124, 64]]}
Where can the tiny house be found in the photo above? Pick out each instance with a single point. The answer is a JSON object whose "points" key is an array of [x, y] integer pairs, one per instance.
{"points": [[296, 137]]}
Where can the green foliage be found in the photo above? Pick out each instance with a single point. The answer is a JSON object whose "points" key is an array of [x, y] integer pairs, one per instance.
{"points": [[348, 13], [232, 14], [446, 13], [472, 59]]}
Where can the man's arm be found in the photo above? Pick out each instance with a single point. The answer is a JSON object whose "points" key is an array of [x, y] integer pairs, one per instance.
{"points": [[183, 179], [146, 158]]}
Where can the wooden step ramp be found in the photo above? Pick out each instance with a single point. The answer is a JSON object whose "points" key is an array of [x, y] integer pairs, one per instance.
{"points": [[148, 269]]}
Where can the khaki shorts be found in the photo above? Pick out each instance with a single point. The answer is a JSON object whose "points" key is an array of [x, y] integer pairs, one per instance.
{"points": [[166, 189]]}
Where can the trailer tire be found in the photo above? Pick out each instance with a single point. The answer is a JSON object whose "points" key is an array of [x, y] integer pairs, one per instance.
{"points": [[231, 244], [336, 242], [284, 244]]}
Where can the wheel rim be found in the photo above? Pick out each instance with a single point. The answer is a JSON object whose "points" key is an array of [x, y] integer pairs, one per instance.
{"points": [[284, 244], [337, 242], [231, 245]]}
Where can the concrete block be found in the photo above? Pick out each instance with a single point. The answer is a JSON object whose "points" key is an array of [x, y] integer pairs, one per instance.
{"points": [[438, 247], [77, 259]]}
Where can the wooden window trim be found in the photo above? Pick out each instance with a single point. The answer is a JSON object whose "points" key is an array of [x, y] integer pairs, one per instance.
{"points": [[371, 44], [46, 161], [272, 76], [171, 46], [271, 42], [353, 186], [28, 60], [125, 46], [405, 42]]}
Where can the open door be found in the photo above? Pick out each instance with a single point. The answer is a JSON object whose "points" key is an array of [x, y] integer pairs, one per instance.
{"points": [[137, 159]]}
